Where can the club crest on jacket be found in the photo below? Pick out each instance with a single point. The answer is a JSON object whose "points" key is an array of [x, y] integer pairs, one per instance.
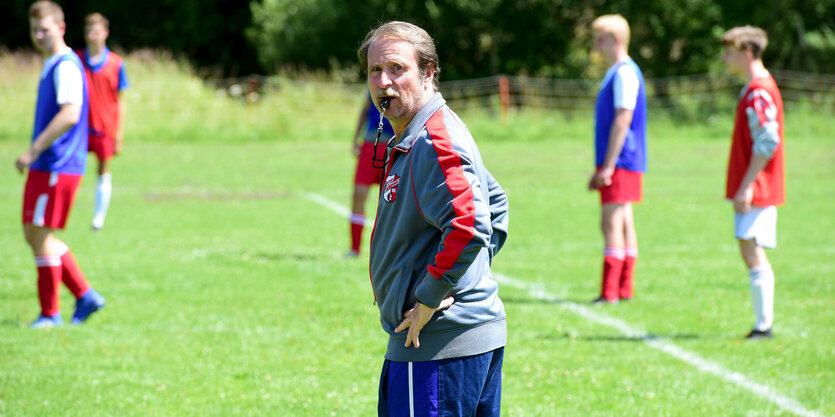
{"points": [[390, 188]]}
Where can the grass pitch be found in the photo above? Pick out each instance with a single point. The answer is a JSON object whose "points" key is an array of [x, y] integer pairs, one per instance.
{"points": [[228, 294]]}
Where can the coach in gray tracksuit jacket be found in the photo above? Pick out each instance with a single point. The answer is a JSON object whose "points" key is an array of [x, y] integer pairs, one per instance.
{"points": [[440, 220]]}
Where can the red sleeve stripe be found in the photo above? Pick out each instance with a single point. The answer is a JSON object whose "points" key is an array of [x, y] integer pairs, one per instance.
{"points": [[462, 201]]}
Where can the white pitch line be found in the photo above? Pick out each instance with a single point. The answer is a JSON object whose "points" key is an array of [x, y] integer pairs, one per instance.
{"points": [[665, 346], [626, 329], [333, 206]]}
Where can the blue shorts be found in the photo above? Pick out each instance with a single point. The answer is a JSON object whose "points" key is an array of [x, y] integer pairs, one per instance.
{"points": [[468, 386]]}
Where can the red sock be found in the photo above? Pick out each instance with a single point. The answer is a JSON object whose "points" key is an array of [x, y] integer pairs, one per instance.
{"points": [[49, 282], [627, 275], [72, 276], [357, 223], [612, 267]]}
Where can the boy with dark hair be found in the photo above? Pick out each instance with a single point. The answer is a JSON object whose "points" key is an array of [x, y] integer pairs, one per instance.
{"points": [[106, 78], [755, 181]]}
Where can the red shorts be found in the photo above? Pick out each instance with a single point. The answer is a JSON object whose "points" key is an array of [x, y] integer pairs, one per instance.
{"points": [[102, 146], [48, 197], [625, 188], [366, 174]]}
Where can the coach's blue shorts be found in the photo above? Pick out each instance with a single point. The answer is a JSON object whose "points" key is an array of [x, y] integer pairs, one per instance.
{"points": [[468, 386]]}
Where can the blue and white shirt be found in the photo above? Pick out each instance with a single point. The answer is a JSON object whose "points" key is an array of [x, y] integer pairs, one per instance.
{"points": [[62, 82], [623, 87]]}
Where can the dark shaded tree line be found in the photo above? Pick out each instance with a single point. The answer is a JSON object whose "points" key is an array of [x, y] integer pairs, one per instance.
{"points": [[475, 37]]}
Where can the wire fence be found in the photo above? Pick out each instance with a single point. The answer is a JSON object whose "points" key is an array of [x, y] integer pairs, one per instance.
{"points": [[684, 97]]}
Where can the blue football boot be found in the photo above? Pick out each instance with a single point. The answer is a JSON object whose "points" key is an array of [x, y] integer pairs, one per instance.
{"points": [[88, 304], [47, 321]]}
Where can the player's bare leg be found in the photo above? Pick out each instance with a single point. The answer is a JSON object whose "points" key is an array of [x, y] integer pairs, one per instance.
{"points": [[612, 218], [41, 240], [45, 248], [752, 254]]}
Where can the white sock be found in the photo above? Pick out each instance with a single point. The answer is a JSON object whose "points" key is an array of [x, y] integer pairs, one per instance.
{"points": [[762, 295], [103, 190]]}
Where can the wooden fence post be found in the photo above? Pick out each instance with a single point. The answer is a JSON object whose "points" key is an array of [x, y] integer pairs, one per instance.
{"points": [[504, 96]]}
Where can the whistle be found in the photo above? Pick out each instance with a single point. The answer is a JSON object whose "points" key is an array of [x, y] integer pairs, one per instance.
{"points": [[384, 102]]}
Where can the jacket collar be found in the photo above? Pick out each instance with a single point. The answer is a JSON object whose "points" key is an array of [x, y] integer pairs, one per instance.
{"points": [[416, 125]]}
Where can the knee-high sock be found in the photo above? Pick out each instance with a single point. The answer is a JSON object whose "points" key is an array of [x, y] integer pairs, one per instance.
{"points": [[104, 188], [627, 275], [612, 268], [357, 223], [762, 295], [49, 282], [71, 274]]}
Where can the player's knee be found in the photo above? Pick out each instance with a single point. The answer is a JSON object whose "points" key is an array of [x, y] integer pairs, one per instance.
{"points": [[35, 237]]}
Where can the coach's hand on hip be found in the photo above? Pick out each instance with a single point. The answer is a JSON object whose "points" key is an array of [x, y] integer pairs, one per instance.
{"points": [[416, 318]]}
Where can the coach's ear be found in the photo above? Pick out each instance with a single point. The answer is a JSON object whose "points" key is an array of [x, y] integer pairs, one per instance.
{"points": [[429, 76]]}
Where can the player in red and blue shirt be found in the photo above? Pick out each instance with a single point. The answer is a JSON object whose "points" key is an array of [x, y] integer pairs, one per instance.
{"points": [[56, 161], [367, 174], [620, 156], [106, 78]]}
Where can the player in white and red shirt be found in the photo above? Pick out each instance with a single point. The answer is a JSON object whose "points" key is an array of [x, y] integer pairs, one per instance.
{"points": [[756, 179], [105, 72]]}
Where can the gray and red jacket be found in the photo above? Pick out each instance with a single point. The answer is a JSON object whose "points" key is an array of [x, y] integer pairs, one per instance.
{"points": [[440, 220]]}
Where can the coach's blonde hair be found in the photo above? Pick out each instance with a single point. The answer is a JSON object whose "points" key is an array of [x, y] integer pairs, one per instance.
{"points": [[615, 25], [96, 18], [44, 8], [747, 37]]}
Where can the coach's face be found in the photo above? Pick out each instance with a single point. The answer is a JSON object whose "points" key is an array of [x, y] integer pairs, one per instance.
{"points": [[46, 34], [393, 73]]}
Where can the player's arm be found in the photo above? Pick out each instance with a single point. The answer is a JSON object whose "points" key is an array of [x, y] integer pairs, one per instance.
{"points": [[69, 92], [497, 200], [120, 129], [65, 119], [617, 136], [745, 193], [625, 87], [765, 135], [356, 144]]}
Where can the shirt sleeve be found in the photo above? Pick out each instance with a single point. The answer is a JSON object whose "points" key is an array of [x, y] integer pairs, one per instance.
{"points": [[626, 87], [450, 197], [762, 122], [69, 86], [123, 77], [497, 200]]}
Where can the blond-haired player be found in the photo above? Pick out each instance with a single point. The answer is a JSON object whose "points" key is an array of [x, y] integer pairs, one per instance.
{"points": [[620, 156]]}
